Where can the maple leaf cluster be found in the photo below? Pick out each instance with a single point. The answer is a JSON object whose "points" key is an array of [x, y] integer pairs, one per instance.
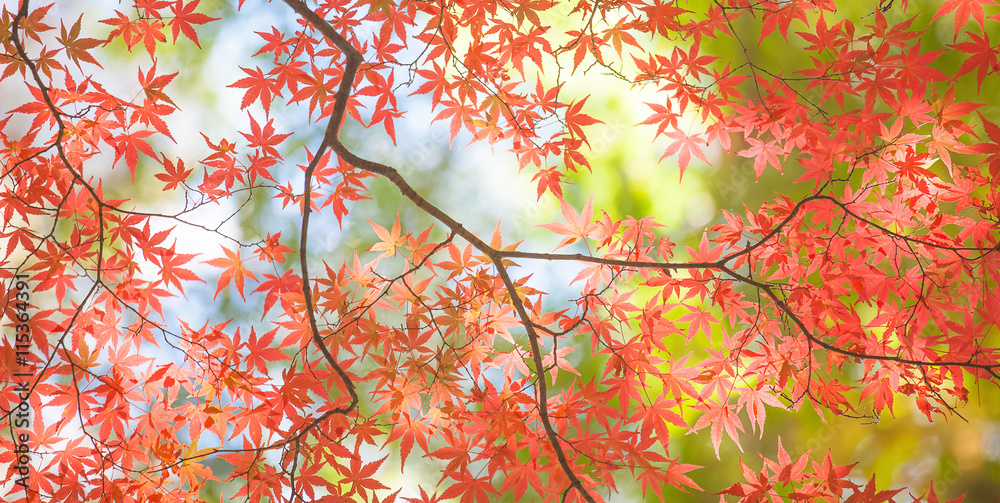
{"points": [[881, 284]]}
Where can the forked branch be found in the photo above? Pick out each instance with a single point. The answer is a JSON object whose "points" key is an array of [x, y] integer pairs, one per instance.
{"points": [[331, 140]]}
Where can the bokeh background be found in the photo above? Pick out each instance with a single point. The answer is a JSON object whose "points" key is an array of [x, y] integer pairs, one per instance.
{"points": [[481, 186]]}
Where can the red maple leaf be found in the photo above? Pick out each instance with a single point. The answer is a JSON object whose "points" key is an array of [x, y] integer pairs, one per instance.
{"points": [[129, 145], [684, 145], [259, 87], [185, 17], [763, 154], [232, 265], [175, 175]]}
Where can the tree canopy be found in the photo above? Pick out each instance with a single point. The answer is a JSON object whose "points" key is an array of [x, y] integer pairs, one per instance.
{"points": [[577, 356]]}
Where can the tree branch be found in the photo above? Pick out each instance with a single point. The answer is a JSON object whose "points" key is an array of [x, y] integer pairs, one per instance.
{"points": [[331, 139]]}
